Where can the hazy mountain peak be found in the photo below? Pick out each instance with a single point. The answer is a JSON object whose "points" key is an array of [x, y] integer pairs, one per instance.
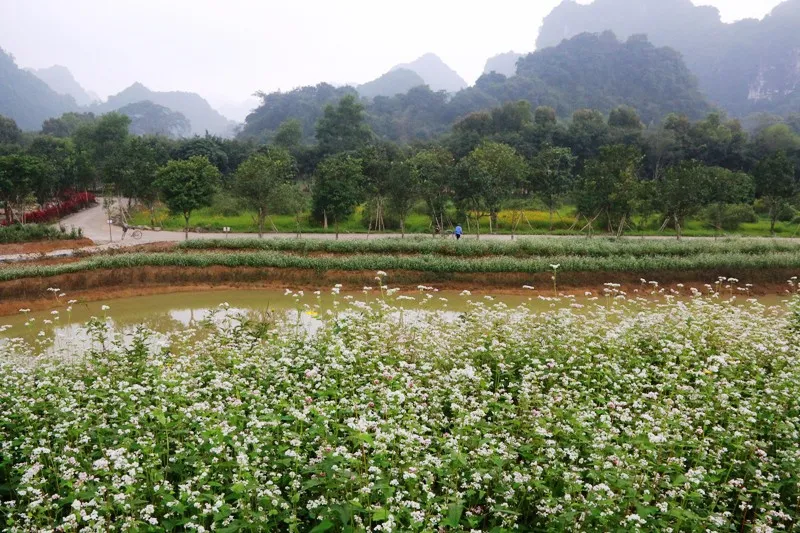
{"points": [[192, 106], [27, 99], [396, 81], [505, 63], [436, 73], [60, 79]]}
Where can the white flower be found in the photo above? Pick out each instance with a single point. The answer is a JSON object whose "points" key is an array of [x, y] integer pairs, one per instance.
{"points": [[105, 308], [555, 267]]}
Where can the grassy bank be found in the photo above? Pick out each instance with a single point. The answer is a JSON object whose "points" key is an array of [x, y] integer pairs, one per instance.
{"points": [[731, 262], [524, 247]]}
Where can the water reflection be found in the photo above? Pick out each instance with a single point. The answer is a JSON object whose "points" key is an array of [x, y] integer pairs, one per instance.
{"points": [[64, 331]]}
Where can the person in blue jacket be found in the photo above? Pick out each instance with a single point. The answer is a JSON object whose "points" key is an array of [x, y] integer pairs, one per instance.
{"points": [[458, 232]]}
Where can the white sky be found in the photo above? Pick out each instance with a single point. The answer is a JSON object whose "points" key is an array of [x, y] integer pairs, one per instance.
{"points": [[227, 49]]}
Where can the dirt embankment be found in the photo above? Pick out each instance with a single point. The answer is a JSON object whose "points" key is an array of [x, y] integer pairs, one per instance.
{"points": [[42, 247], [105, 284]]}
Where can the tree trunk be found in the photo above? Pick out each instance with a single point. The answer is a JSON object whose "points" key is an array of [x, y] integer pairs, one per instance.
{"points": [[9, 215], [478, 225], [551, 219], [336, 223], [260, 223], [402, 227], [186, 227], [324, 219]]}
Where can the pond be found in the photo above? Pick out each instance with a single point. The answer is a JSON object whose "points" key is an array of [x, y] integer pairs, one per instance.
{"points": [[63, 329]]}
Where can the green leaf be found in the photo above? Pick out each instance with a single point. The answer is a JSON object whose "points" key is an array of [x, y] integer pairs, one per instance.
{"points": [[454, 515], [325, 525], [380, 514]]}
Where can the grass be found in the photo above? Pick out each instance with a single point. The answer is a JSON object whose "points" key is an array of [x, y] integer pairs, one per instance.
{"points": [[524, 247], [18, 233], [681, 416], [734, 261], [536, 222]]}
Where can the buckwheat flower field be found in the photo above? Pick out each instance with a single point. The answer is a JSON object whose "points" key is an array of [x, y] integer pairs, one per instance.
{"points": [[608, 415]]}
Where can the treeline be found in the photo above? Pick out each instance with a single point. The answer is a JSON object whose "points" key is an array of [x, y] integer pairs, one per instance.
{"points": [[618, 174]]}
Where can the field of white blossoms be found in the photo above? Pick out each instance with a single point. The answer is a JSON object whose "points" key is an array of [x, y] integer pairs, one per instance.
{"points": [[609, 415]]}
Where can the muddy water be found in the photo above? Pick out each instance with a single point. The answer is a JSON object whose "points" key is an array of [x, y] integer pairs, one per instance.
{"points": [[63, 330]]}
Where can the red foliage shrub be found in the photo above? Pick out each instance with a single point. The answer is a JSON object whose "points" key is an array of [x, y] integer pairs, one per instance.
{"points": [[70, 202]]}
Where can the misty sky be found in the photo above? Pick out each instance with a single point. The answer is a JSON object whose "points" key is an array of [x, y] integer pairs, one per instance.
{"points": [[227, 49]]}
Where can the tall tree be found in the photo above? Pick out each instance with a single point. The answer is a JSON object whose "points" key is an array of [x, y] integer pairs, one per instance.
{"points": [[682, 192], [489, 176], [343, 127], [552, 176], [775, 184], [433, 170], [187, 185], [608, 186], [403, 191], [337, 188], [9, 132], [258, 179], [725, 193], [17, 173]]}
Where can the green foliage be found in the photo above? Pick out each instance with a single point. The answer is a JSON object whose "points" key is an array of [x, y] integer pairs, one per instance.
{"points": [[608, 186], [67, 124], [187, 185], [342, 128], [258, 178], [289, 135], [19, 175], [9, 132], [17, 233], [528, 247], [488, 177], [551, 175], [337, 188], [775, 183]]}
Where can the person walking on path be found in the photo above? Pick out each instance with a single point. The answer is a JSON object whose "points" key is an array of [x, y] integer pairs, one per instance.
{"points": [[458, 233]]}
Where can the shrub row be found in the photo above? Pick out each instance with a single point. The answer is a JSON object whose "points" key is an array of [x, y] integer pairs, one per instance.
{"points": [[530, 247], [35, 232], [71, 202], [624, 263]]}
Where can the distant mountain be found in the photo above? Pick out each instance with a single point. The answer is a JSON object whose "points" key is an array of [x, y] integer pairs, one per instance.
{"points": [[744, 67], [588, 71], [397, 81], [61, 80], [596, 72], [436, 73], [26, 98], [191, 105], [505, 64], [148, 118]]}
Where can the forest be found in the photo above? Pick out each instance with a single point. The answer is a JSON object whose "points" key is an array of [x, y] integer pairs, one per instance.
{"points": [[609, 172]]}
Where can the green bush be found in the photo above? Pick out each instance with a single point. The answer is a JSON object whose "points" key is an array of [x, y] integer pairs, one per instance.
{"points": [[729, 216], [17, 233]]}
